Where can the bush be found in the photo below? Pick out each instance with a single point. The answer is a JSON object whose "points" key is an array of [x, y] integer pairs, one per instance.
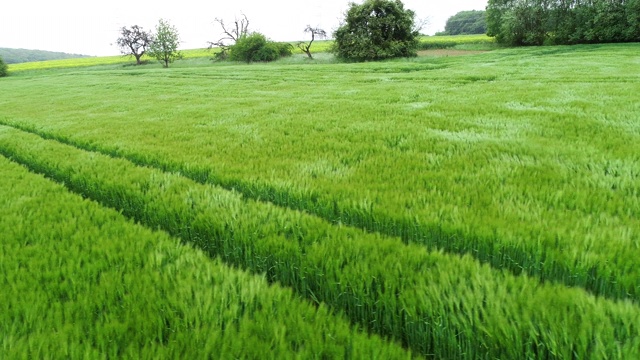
{"points": [[3, 68], [376, 30], [256, 47]]}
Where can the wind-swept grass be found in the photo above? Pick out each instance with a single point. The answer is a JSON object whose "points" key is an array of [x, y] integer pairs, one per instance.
{"points": [[516, 157], [80, 281], [438, 305], [511, 178]]}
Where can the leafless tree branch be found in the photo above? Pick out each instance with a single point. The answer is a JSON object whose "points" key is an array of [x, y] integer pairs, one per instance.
{"points": [[231, 34], [239, 29], [316, 31]]}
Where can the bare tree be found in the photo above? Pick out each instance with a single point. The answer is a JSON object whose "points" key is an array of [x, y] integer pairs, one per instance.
{"points": [[134, 41], [316, 31], [420, 23], [238, 29]]}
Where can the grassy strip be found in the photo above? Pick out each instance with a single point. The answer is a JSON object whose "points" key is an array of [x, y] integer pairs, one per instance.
{"points": [[80, 281], [482, 41], [438, 305]]}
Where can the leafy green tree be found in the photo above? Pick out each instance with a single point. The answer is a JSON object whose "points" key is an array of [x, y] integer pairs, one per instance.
{"points": [[134, 41], [519, 22], [256, 47], [375, 30], [495, 10], [524, 24], [3, 68], [164, 47], [466, 23]]}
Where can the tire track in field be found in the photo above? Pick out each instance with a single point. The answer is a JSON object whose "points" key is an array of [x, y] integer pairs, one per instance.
{"points": [[433, 236], [439, 305], [130, 275]]}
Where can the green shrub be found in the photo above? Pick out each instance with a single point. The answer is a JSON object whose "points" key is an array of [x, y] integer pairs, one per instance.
{"points": [[256, 47], [3, 68], [284, 49]]}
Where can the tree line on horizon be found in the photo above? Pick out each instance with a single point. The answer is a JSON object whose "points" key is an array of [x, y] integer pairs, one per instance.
{"points": [[563, 22], [382, 29], [373, 30], [551, 22], [16, 56], [470, 22]]}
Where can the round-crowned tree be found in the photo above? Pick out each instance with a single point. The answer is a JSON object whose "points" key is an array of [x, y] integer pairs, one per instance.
{"points": [[376, 30]]}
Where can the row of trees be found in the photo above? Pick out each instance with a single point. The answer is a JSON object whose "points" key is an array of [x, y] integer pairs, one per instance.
{"points": [[466, 23], [161, 45], [373, 30], [239, 44], [16, 56], [563, 22]]}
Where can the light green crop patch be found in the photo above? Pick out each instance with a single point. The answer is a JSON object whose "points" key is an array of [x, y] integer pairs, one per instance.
{"points": [[387, 287], [100, 60], [340, 135], [481, 41], [79, 281]]}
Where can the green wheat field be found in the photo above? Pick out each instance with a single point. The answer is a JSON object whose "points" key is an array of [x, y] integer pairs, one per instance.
{"points": [[484, 206]]}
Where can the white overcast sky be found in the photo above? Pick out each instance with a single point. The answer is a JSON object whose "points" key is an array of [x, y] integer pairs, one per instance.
{"points": [[91, 27]]}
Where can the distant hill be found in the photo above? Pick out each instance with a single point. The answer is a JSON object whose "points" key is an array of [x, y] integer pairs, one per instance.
{"points": [[15, 56]]}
